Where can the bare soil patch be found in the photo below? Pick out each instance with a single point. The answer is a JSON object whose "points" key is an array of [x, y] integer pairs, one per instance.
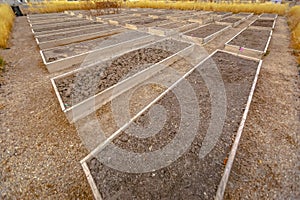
{"points": [[77, 87], [73, 49], [268, 15], [205, 31], [174, 25], [264, 23], [252, 39], [76, 33], [145, 21], [189, 177], [64, 25], [230, 20]]}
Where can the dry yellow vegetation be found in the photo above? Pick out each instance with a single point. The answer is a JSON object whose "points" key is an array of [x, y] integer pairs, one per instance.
{"points": [[7, 19], [294, 23], [60, 6], [256, 8]]}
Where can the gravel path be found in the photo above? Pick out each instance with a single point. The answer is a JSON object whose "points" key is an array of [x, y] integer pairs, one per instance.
{"points": [[40, 151]]}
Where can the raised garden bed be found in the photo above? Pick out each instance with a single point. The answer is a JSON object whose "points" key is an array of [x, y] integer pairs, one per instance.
{"points": [[67, 30], [121, 20], [49, 41], [152, 14], [251, 42], [202, 19], [220, 15], [268, 16], [204, 33], [63, 35], [105, 18], [185, 175], [81, 21], [161, 13], [62, 57], [144, 23], [180, 16], [263, 23], [172, 28], [83, 91], [63, 26], [38, 17], [232, 21], [54, 21], [244, 15]]}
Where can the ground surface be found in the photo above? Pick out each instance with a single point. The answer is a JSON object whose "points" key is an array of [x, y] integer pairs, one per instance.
{"points": [[40, 151]]}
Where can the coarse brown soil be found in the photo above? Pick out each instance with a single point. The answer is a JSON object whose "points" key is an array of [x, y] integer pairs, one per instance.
{"points": [[189, 177], [268, 15], [205, 31], [242, 14], [60, 52], [56, 20], [63, 25], [252, 39], [145, 21], [68, 29], [50, 16], [174, 25], [264, 23], [100, 28], [93, 80], [41, 151], [230, 20]]}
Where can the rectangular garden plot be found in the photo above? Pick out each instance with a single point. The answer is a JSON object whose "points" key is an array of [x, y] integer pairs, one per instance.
{"points": [[67, 30], [83, 91], [143, 23], [63, 57], [263, 23], [54, 21], [121, 20], [185, 158], [244, 15], [202, 19], [37, 17], [204, 33], [48, 41], [62, 26], [251, 42], [105, 18], [220, 15], [172, 28], [268, 16], [231, 21]]}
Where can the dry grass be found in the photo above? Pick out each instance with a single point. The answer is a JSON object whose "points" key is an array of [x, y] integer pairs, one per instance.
{"points": [[6, 22], [60, 6], [256, 8], [294, 23]]}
